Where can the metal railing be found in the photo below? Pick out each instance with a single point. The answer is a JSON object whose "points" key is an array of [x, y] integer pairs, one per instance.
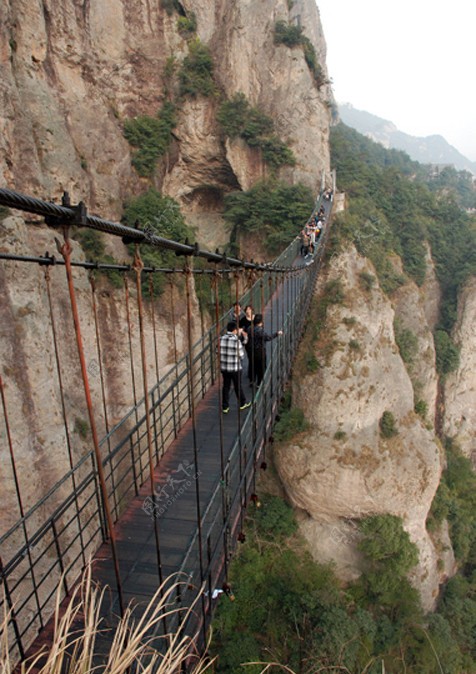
{"points": [[53, 539]]}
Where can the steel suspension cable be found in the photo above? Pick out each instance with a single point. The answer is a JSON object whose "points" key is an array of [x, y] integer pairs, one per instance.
{"points": [[66, 253], [137, 479], [157, 375], [194, 436], [46, 272], [20, 499], [223, 477], [103, 390], [66, 214], [138, 272]]}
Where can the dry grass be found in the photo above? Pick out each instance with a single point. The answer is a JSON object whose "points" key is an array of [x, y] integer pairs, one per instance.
{"points": [[74, 647]]}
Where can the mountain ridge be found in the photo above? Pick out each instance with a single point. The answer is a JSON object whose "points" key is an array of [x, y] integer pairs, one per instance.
{"points": [[432, 149]]}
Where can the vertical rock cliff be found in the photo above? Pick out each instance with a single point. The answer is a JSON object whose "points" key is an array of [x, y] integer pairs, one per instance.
{"points": [[347, 466], [72, 73]]}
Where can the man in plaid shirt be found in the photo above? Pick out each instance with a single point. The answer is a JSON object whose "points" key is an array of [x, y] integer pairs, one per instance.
{"points": [[231, 356]]}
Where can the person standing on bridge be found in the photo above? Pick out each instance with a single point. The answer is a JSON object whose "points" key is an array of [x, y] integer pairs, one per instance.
{"points": [[231, 357], [258, 348]]}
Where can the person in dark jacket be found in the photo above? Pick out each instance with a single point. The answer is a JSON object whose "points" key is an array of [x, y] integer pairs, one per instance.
{"points": [[258, 339]]}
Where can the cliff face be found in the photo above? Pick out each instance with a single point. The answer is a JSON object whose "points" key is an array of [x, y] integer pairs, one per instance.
{"points": [[344, 468], [72, 73], [460, 387]]}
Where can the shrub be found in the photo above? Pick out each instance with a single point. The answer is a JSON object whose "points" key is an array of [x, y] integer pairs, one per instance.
{"points": [[310, 57], [406, 341], [291, 36], [160, 215], [455, 500], [269, 208], [290, 424], [81, 427], [4, 212], [92, 243], [389, 555], [311, 363], [387, 425], [287, 34], [276, 152], [196, 72], [421, 408], [187, 25], [447, 353], [354, 345], [151, 136], [275, 518], [239, 120], [367, 280], [334, 292], [340, 435]]}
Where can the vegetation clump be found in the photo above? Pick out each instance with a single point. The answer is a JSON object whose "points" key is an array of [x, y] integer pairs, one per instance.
{"points": [[158, 215], [395, 206], [447, 353], [196, 71], [272, 209], [388, 426], [92, 243], [151, 136], [290, 610], [187, 25], [239, 119], [406, 341], [291, 421], [291, 35]]}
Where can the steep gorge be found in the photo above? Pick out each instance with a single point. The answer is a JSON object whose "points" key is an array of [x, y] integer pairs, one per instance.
{"points": [[71, 74]]}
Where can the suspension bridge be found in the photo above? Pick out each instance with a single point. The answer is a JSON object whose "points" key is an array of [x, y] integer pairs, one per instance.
{"points": [[164, 489]]}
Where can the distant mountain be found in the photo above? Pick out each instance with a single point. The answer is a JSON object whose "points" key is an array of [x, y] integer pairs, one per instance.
{"points": [[427, 150]]}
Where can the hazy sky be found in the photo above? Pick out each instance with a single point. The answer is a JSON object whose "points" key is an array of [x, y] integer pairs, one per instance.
{"points": [[411, 62]]}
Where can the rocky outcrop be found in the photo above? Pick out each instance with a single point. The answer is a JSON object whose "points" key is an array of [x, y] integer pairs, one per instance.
{"points": [[412, 305], [343, 468], [70, 75], [460, 386]]}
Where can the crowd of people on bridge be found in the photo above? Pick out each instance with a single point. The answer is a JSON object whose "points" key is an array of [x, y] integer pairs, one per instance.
{"points": [[245, 333], [311, 232]]}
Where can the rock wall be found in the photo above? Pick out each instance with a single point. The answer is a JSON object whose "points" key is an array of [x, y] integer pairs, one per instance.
{"points": [[343, 469], [71, 73], [460, 386]]}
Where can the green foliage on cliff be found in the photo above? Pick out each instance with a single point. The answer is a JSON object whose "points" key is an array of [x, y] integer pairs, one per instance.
{"points": [[455, 501], [159, 215], [196, 71], [151, 136], [92, 243], [291, 421], [290, 610], [291, 35], [447, 353], [406, 341], [394, 207], [187, 25], [274, 210], [387, 425], [239, 119]]}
